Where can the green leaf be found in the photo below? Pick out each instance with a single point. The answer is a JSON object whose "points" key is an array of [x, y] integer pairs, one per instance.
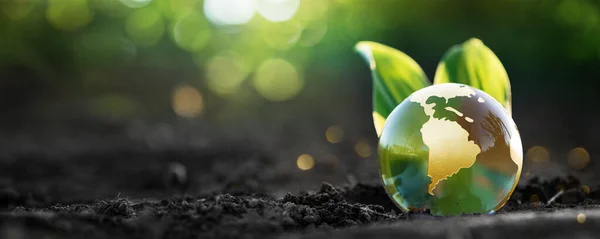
{"points": [[395, 77], [474, 64]]}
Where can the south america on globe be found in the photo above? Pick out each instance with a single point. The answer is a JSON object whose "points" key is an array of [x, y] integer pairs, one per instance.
{"points": [[452, 149]]}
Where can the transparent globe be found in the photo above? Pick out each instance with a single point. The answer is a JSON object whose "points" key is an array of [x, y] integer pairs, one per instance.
{"points": [[452, 149]]}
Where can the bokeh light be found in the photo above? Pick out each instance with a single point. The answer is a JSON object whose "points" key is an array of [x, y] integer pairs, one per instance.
{"points": [[585, 189], [145, 26], [272, 41], [581, 218], [578, 13], [111, 8], [187, 102], [277, 80], [305, 162], [363, 149], [537, 154], [175, 9], [534, 198], [252, 47], [68, 15], [229, 12], [283, 35], [313, 34], [277, 10], [578, 158], [334, 134], [311, 10], [192, 32], [17, 9], [225, 73], [135, 3]]}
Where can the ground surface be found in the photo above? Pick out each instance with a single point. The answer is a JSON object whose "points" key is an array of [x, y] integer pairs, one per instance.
{"points": [[234, 189]]}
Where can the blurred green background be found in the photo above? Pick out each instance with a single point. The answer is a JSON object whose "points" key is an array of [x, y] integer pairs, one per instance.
{"points": [[284, 71]]}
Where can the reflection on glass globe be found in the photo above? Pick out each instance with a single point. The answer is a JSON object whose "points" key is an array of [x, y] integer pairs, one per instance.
{"points": [[452, 149]]}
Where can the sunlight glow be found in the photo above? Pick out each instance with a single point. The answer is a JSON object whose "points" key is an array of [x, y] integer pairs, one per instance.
{"points": [[229, 12], [277, 10]]}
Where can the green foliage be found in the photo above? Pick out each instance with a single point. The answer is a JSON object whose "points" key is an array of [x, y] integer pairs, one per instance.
{"points": [[395, 77], [474, 64]]}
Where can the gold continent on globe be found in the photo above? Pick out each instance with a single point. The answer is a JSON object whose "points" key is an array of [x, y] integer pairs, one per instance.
{"points": [[452, 149]]}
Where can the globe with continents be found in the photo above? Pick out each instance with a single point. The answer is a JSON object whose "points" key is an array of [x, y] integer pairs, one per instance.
{"points": [[452, 149]]}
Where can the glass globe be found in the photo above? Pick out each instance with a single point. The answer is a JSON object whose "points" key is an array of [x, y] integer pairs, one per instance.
{"points": [[452, 149]]}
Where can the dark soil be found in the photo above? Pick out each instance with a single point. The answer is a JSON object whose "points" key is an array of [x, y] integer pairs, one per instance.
{"points": [[238, 191]]}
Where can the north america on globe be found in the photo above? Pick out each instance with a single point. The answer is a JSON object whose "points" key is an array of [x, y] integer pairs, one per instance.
{"points": [[450, 148]]}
